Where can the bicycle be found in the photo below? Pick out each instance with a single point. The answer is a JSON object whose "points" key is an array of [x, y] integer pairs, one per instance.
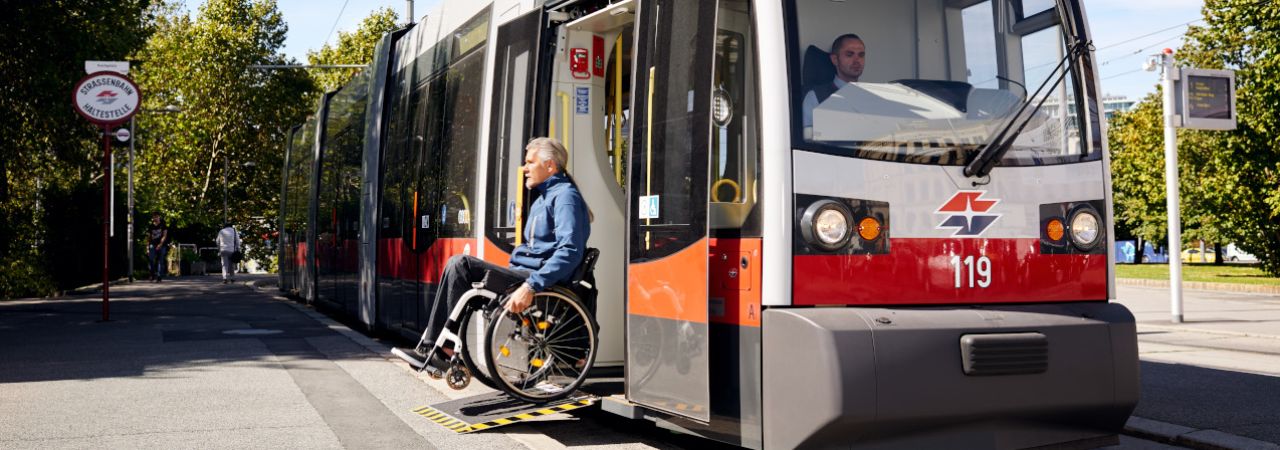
{"points": [[539, 355]]}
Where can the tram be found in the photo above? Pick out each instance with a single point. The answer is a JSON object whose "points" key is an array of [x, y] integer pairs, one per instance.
{"points": [[922, 258]]}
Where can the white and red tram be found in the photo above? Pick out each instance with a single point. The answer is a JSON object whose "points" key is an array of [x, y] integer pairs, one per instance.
{"points": [[922, 259]]}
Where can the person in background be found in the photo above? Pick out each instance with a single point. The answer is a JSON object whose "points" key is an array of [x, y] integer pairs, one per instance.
{"points": [[157, 248], [228, 247]]}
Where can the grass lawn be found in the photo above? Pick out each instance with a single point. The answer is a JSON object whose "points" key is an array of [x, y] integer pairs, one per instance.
{"points": [[1227, 273]]}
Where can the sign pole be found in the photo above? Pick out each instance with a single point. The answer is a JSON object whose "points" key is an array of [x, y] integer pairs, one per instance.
{"points": [[1174, 250], [106, 223], [106, 98], [129, 218]]}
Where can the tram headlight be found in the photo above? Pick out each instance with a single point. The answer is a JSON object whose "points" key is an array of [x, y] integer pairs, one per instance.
{"points": [[826, 224], [1086, 228]]}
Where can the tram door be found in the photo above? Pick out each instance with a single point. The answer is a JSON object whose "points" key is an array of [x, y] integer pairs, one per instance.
{"points": [[667, 268]]}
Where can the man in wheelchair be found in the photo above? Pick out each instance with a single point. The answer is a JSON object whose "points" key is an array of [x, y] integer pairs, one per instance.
{"points": [[556, 229]]}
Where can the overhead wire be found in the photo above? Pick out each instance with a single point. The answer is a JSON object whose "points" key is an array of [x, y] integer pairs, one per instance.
{"points": [[335, 22]]}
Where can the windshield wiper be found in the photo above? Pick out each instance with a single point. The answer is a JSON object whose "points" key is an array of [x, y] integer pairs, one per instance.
{"points": [[1000, 144]]}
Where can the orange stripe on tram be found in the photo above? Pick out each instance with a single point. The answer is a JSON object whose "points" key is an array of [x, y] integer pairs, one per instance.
{"points": [[673, 288]]}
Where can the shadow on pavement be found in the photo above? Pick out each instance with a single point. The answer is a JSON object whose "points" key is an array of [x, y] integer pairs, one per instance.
{"points": [[1238, 403], [184, 323]]}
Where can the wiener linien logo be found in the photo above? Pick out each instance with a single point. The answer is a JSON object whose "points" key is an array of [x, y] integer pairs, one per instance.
{"points": [[968, 213]]}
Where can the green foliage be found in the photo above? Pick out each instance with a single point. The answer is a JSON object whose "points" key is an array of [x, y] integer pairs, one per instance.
{"points": [[47, 146], [1229, 179], [353, 48], [233, 121]]}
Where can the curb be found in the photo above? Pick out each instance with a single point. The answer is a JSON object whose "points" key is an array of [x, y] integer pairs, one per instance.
{"points": [[1190, 437], [1193, 329], [1202, 286]]}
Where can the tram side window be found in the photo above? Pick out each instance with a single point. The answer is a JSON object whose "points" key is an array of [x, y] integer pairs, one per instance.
{"points": [[510, 115], [458, 157], [734, 144], [510, 153], [428, 119], [392, 220]]}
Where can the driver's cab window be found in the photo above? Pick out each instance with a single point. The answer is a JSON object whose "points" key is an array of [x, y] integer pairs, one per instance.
{"points": [[932, 81]]}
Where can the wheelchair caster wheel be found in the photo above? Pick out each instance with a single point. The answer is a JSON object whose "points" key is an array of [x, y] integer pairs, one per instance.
{"points": [[458, 377]]}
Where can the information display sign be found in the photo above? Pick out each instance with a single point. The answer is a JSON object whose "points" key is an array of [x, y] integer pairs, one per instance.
{"points": [[1208, 99]]}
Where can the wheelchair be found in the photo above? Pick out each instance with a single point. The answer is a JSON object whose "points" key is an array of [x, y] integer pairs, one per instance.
{"points": [[540, 355]]}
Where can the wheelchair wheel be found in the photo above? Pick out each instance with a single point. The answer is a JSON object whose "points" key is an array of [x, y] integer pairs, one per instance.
{"points": [[469, 359], [544, 353]]}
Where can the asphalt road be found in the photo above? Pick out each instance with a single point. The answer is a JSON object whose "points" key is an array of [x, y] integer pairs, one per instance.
{"points": [[193, 363]]}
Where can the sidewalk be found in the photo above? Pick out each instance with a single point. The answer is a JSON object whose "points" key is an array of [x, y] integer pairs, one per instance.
{"points": [[191, 362], [1212, 381]]}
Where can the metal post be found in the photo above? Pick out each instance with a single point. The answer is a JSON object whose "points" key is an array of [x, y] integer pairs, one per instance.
{"points": [[133, 136], [111, 187], [1171, 186], [106, 223], [408, 8]]}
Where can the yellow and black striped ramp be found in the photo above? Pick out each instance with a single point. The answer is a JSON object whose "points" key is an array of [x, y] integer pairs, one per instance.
{"points": [[492, 410]]}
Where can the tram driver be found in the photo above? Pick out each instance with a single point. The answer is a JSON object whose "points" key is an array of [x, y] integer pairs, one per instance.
{"points": [[556, 230], [848, 55]]}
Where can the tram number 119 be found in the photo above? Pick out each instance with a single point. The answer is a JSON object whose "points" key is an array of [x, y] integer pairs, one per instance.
{"points": [[975, 271]]}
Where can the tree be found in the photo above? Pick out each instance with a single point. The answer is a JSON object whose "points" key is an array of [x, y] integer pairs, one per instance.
{"points": [[353, 48], [49, 151], [233, 120], [1241, 168], [1229, 179]]}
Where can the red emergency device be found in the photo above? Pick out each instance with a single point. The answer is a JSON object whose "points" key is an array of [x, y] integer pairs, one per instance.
{"points": [[579, 63]]}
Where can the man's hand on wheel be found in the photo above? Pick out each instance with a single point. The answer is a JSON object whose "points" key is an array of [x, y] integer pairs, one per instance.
{"points": [[520, 299]]}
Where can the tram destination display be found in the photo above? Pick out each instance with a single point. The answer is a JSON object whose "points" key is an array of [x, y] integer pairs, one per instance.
{"points": [[1208, 99]]}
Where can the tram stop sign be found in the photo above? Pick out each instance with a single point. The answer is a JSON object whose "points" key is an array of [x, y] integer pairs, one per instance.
{"points": [[106, 98], [1207, 99]]}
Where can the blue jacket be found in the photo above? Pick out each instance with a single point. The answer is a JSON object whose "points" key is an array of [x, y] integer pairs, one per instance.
{"points": [[555, 234]]}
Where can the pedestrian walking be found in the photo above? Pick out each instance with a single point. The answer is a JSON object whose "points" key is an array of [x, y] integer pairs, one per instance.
{"points": [[157, 248], [229, 250]]}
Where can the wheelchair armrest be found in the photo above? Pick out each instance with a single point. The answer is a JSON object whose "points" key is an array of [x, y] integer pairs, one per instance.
{"points": [[499, 282]]}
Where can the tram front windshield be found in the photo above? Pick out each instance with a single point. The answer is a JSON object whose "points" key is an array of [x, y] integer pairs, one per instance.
{"points": [[933, 81]]}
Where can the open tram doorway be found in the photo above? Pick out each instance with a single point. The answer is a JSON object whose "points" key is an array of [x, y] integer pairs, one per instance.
{"points": [[566, 75]]}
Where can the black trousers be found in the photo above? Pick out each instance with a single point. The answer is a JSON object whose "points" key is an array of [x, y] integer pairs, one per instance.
{"points": [[458, 275]]}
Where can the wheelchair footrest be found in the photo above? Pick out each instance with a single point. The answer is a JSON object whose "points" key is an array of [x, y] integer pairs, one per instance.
{"points": [[495, 409], [410, 357]]}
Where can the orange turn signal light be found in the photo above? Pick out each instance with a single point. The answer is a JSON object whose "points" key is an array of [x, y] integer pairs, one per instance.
{"points": [[1055, 230], [869, 229]]}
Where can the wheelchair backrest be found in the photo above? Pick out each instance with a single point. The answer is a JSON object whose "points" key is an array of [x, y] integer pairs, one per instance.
{"points": [[586, 267]]}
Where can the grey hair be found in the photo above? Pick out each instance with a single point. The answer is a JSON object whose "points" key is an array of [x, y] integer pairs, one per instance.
{"points": [[550, 149]]}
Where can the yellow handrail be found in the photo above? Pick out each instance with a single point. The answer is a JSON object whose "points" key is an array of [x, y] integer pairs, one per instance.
{"points": [[564, 117], [617, 110], [520, 205], [648, 150]]}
